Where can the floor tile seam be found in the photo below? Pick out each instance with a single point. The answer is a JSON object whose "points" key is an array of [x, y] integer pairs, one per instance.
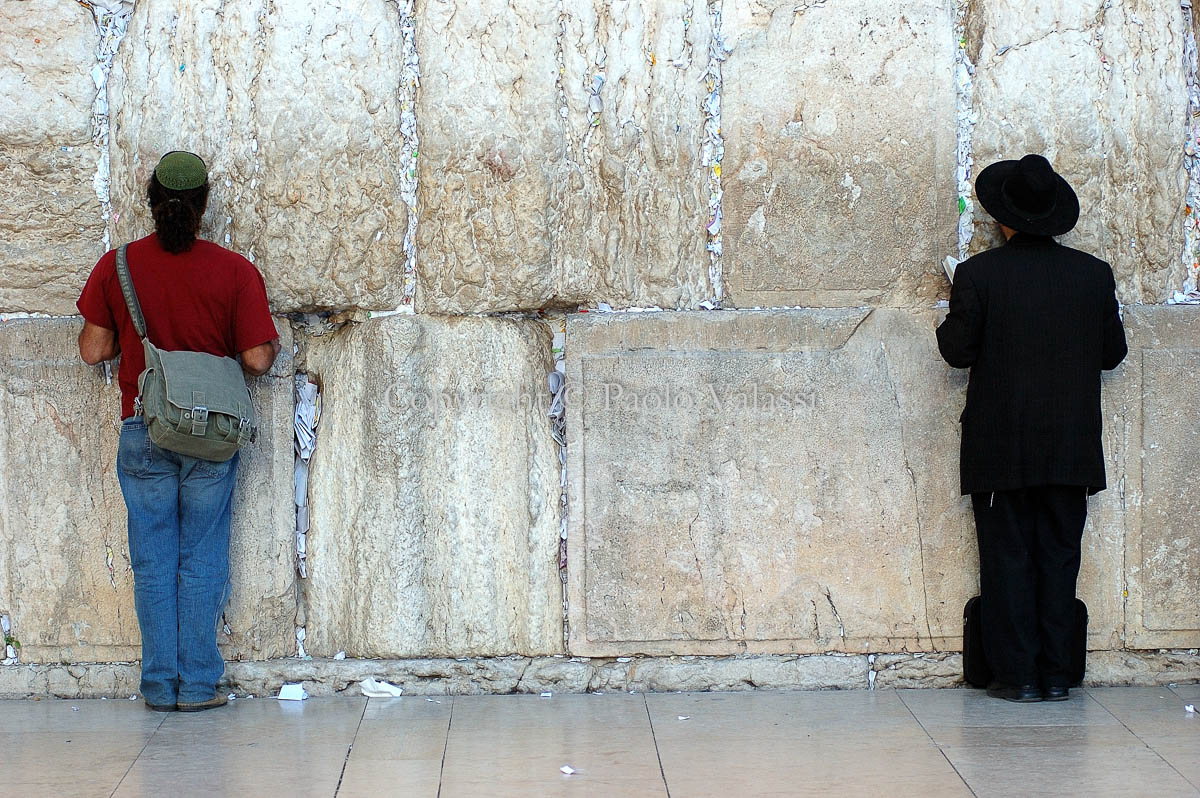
{"points": [[934, 742], [1138, 737], [133, 761], [657, 754], [446, 747], [350, 748]]}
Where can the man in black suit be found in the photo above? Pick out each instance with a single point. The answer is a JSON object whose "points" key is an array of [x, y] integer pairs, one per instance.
{"points": [[1036, 322]]}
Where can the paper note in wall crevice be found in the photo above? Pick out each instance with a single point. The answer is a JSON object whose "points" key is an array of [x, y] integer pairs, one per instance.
{"points": [[950, 264]]}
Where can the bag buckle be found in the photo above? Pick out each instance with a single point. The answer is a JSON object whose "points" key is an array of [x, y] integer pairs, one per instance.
{"points": [[199, 420], [243, 430]]}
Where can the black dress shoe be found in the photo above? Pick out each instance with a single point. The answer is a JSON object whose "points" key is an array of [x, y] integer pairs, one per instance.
{"points": [[1021, 694], [161, 707], [1056, 694]]}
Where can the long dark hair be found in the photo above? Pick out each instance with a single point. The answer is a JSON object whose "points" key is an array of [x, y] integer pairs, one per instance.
{"points": [[177, 214]]}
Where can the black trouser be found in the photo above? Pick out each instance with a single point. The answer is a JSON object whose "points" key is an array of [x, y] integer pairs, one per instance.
{"points": [[1029, 551]]}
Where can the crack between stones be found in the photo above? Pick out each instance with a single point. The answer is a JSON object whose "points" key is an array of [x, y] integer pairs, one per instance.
{"points": [[111, 27], [964, 72], [557, 384], [410, 83], [713, 152], [1191, 219]]}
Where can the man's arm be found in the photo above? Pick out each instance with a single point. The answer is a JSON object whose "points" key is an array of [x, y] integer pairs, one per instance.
{"points": [[959, 335], [97, 344], [1114, 344], [257, 360]]}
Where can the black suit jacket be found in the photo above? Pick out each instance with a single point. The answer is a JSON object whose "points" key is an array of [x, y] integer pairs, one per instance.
{"points": [[1036, 322]]}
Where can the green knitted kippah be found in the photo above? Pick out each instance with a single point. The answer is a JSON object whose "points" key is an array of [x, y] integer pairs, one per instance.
{"points": [[180, 171]]}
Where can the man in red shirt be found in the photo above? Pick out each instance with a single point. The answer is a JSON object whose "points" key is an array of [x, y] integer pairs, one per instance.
{"points": [[200, 297]]}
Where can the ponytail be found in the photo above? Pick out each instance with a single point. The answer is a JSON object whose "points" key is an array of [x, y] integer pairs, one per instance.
{"points": [[177, 214]]}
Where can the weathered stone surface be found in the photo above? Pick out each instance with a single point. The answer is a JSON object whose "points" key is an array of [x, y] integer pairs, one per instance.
{"points": [[1163, 485], [636, 200], [917, 670], [65, 576], [1145, 668], [94, 680], [434, 491], [295, 107], [749, 673], [839, 152], [557, 676], [51, 232], [1099, 89], [416, 677], [525, 202], [698, 527]]}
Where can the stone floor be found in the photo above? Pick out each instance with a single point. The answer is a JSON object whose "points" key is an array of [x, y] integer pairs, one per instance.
{"points": [[1103, 742]]}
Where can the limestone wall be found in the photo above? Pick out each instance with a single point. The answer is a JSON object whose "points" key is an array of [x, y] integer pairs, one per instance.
{"points": [[772, 492]]}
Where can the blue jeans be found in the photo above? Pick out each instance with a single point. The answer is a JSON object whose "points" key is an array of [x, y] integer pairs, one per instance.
{"points": [[179, 509]]}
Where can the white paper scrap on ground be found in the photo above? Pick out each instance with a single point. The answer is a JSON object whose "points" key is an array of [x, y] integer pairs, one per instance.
{"points": [[685, 717], [377, 688], [1189, 708], [292, 692], [547, 695], [566, 770]]}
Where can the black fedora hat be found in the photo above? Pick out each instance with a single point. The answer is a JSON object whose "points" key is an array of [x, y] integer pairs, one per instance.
{"points": [[1028, 196]]}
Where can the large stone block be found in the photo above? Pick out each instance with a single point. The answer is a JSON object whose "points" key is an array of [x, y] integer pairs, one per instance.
{"points": [[51, 232], [434, 491], [65, 576], [64, 563], [294, 105], [1099, 89], [548, 185], [839, 152], [261, 614], [778, 481], [738, 483], [1162, 487]]}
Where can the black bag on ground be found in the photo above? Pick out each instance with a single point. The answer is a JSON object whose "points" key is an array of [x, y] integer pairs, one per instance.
{"points": [[976, 670]]}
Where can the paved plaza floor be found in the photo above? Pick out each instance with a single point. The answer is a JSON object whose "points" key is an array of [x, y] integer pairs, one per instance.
{"points": [[1129, 741]]}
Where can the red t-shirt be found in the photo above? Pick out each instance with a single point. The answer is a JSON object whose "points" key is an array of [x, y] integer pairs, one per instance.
{"points": [[207, 299]]}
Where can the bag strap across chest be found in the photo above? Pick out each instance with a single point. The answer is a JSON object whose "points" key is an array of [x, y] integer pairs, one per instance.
{"points": [[131, 298]]}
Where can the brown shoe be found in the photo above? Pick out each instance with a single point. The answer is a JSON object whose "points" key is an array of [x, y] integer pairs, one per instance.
{"points": [[161, 707], [217, 700]]}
